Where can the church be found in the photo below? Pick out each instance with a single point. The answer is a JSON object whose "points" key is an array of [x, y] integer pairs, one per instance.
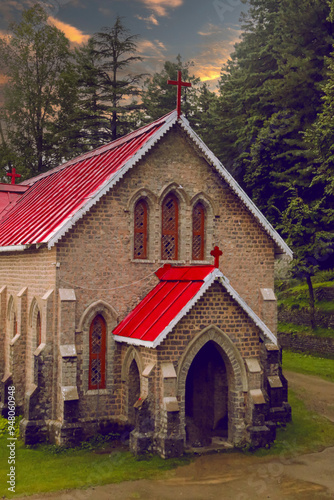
{"points": [[137, 292]]}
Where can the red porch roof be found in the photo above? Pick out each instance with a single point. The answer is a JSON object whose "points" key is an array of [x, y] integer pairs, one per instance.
{"points": [[179, 289], [162, 306]]}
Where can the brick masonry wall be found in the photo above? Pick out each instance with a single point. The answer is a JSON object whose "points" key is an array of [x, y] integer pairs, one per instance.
{"points": [[35, 270], [96, 253], [95, 256]]}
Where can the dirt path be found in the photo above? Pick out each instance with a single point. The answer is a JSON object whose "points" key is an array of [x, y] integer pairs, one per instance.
{"points": [[318, 394], [236, 476]]}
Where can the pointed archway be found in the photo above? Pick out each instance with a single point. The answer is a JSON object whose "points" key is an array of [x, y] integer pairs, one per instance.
{"points": [[206, 398], [227, 362], [133, 391]]}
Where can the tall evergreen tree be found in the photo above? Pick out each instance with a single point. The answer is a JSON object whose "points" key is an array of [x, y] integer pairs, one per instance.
{"points": [[270, 94], [35, 59], [115, 50]]}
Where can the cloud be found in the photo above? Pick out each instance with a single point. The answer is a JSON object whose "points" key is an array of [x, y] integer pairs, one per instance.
{"points": [[148, 48], [209, 30], [149, 20], [74, 35], [160, 6], [213, 52]]}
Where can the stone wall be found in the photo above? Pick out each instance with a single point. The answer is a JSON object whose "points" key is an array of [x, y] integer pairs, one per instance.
{"points": [[301, 316], [307, 343]]}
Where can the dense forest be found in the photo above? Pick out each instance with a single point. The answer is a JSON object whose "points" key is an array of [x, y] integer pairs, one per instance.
{"points": [[271, 121]]}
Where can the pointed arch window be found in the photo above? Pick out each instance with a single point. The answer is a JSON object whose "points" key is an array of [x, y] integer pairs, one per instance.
{"points": [[170, 229], [38, 329], [198, 231], [14, 326], [97, 353], [140, 230]]}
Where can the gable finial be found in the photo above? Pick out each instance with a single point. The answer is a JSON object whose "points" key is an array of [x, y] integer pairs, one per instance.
{"points": [[216, 253], [179, 84], [13, 175]]}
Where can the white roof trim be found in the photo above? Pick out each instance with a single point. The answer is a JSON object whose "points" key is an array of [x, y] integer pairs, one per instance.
{"points": [[108, 184], [131, 341], [14, 248], [235, 187], [210, 279]]}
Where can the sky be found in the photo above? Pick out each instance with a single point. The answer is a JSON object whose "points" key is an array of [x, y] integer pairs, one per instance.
{"points": [[202, 31]]}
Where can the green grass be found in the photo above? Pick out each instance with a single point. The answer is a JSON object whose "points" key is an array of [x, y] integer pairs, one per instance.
{"points": [[305, 330], [40, 470], [309, 365], [308, 432]]}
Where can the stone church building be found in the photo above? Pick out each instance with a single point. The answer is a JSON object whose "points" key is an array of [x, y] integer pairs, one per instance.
{"points": [[117, 310]]}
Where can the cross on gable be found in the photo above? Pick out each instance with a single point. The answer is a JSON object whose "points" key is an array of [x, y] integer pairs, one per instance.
{"points": [[179, 84], [216, 253], [13, 175]]}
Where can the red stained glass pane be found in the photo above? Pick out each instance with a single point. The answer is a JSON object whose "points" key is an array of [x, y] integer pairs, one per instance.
{"points": [[198, 232], [140, 230], [169, 237], [97, 353]]}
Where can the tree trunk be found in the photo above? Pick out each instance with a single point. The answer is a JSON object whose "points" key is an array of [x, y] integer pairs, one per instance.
{"points": [[311, 301]]}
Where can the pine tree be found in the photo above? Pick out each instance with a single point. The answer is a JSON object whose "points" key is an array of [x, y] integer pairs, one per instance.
{"points": [[269, 94], [114, 49]]}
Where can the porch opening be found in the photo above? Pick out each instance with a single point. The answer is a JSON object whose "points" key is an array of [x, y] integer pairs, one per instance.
{"points": [[206, 400]]}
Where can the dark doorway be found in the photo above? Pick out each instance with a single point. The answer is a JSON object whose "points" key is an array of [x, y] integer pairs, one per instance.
{"points": [[206, 397], [133, 391]]}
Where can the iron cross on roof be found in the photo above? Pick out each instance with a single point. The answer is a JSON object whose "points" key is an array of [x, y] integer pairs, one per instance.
{"points": [[13, 174], [179, 84], [216, 253]]}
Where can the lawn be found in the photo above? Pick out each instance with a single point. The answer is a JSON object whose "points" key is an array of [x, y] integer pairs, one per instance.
{"points": [[309, 365], [41, 470]]}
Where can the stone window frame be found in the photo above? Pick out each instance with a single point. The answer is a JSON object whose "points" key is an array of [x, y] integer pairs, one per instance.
{"points": [[131, 354], [236, 373], [151, 201], [110, 317], [210, 211], [183, 216]]}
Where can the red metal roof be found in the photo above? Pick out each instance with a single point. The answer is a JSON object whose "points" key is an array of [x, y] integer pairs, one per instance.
{"points": [[150, 318], [9, 194], [54, 197]]}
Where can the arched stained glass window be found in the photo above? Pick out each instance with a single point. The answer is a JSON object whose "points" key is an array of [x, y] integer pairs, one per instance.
{"points": [[97, 353], [140, 230], [170, 222], [198, 232]]}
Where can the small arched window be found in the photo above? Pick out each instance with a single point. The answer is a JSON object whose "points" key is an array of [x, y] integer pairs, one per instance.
{"points": [[170, 229], [198, 232], [14, 327], [140, 230], [97, 353], [38, 329]]}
